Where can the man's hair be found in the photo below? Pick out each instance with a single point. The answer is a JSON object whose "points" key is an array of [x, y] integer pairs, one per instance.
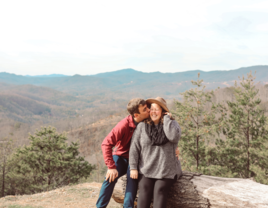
{"points": [[134, 104]]}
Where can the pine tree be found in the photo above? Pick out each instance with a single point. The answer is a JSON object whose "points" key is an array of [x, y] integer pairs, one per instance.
{"points": [[260, 166], [49, 162], [196, 116], [6, 149], [244, 151]]}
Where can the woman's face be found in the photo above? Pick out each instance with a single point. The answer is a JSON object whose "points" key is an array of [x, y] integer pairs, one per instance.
{"points": [[155, 113]]}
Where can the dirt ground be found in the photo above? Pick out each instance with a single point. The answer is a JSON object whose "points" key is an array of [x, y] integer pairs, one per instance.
{"points": [[77, 196]]}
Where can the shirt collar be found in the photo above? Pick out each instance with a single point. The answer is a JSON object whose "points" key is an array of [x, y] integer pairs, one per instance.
{"points": [[135, 122], [131, 122]]}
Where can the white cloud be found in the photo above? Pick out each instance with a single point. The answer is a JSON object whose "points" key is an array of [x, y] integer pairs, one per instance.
{"points": [[259, 6], [262, 27]]}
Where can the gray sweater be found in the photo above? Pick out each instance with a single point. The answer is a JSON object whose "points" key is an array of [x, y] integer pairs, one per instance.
{"points": [[156, 161]]}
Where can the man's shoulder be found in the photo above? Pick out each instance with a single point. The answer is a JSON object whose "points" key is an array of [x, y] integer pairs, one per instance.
{"points": [[125, 122]]}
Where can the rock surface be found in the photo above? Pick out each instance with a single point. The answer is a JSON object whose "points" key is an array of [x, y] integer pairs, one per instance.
{"points": [[193, 190]]}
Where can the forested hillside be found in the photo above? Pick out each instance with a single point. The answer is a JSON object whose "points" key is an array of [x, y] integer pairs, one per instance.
{"points": [[129, 81], [69, 102], [48, 99], [210, 122]]}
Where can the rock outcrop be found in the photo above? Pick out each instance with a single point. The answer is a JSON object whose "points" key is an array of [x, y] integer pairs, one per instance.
{"points": [[193, 190]]}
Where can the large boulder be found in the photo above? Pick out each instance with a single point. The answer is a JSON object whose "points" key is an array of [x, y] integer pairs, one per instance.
{"points": [[193, 190]]}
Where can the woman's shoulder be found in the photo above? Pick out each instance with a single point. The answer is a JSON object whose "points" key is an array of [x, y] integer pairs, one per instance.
{"points": [[141, 125], [139, 130]]}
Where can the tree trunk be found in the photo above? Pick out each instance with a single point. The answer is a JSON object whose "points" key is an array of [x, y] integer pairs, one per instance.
{"points": [[248, 175], [197, 152], [193, 190], [3, 180]]}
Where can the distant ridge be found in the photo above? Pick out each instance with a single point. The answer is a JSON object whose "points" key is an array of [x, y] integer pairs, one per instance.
{"points": [[126, 79], [49, 75], [118, 72], [31, 98], [133, 71]]}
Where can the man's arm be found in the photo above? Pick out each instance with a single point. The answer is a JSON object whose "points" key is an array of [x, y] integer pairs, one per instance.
{"points": [[107, 149]]}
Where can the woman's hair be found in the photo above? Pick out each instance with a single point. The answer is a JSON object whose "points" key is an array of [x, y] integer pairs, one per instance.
{"points": [[149, 120]]}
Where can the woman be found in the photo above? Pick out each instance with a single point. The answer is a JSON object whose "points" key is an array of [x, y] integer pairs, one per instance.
{"points": [[152, 155]]}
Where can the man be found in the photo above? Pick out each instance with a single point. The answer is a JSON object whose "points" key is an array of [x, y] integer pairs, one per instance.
{"points": [[117, 159]]}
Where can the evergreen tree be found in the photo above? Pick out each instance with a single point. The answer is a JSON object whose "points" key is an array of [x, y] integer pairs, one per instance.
{"points": [[260, 166], [6, 149], [49, 162], [196, 116], [244, 151]]}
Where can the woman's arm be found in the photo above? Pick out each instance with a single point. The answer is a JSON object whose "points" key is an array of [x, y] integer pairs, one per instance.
{"points": [[172, 129], [135, 148]]}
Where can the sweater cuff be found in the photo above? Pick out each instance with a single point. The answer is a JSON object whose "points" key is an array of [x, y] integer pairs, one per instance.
{"points": [[167, 117], [133, 167]]}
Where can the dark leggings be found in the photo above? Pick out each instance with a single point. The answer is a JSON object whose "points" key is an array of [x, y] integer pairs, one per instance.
{"points": [[153, 188]]}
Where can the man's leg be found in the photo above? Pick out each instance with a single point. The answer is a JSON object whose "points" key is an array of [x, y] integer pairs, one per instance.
{"points": [[107, 188], [131, 191]]}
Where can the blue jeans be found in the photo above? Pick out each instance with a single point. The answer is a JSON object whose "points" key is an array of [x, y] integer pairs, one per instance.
{"points": [[107, 188]]}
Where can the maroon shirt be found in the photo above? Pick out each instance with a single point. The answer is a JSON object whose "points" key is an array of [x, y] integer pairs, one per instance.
{"points": [[119, 138]]}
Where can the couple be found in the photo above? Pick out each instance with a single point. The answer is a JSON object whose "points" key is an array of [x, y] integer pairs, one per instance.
{"points": [[149, 161]]}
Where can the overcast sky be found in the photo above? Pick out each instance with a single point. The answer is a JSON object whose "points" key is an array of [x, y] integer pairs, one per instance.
{"points": [[88, 37]]}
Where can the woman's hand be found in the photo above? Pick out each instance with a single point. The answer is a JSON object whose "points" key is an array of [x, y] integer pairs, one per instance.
{"points": [[168, 113], [134, 174]]}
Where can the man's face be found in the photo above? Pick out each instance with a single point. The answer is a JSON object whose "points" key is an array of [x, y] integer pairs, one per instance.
{"points": [[144, 112]]}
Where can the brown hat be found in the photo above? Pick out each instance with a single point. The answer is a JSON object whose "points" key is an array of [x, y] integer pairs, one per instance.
{"points": [[160, 101]]}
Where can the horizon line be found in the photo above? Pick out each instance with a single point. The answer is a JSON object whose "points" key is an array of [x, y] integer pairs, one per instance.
{"points": [[42, 75]]}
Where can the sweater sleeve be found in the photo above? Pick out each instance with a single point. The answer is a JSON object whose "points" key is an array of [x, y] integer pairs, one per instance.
{"points": [[172, 129], [135, 149]]}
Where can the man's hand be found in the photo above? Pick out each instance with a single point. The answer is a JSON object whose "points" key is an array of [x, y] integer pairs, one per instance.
{"points": [[111, 175], [177, 153], [134, 174]]}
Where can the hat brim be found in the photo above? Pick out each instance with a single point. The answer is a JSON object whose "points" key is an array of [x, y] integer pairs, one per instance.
{"points": [[152, 100]]}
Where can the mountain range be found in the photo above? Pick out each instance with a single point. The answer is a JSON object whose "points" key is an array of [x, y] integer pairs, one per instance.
{"points": [[31, 98], [129, 78]]}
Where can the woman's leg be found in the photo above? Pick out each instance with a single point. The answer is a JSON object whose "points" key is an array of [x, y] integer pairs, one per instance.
{"points": [[146, 189], [161, 189]]}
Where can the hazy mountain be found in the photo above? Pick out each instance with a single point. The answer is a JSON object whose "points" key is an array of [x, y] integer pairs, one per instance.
{"points": [[83, 105], [130, 78], [30, 103], [49, 75], [46, 98]]}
